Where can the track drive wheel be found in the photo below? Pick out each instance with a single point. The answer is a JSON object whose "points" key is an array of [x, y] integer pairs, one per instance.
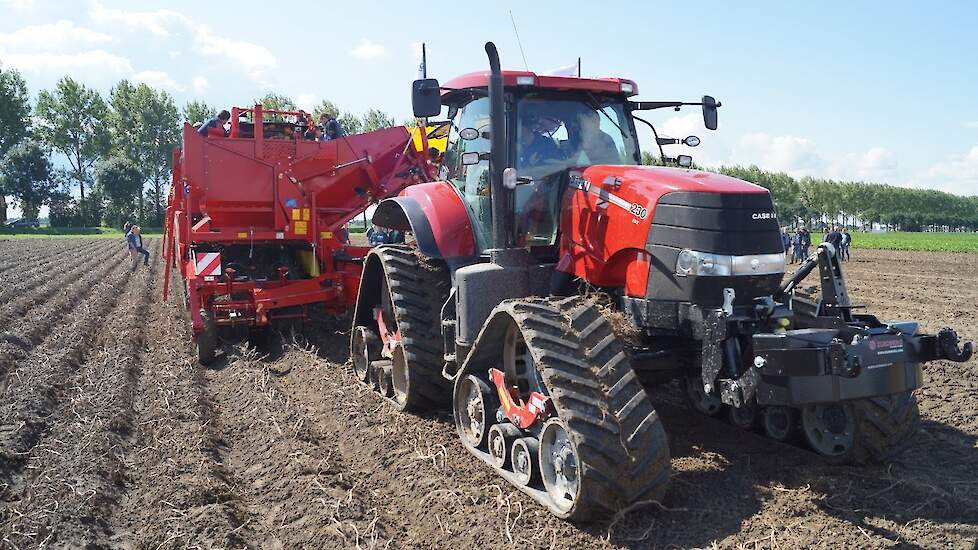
{"points": [[863, 430], [412, 294], [603, 448], [207, 340]]}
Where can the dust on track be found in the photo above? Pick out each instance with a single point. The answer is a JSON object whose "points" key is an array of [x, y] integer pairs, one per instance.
{"points": [[280, 447]]}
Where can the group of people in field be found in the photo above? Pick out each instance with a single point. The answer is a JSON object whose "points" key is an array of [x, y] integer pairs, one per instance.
{"points": [[796, 244]]}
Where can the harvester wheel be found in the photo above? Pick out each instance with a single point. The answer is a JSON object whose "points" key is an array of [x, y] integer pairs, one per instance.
{"points": [[612, 448], [411, 298], [863, 430], [702, 402], [207, 339]]}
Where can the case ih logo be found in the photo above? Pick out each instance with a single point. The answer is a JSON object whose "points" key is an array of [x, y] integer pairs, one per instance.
{"points": [[764, 216]]}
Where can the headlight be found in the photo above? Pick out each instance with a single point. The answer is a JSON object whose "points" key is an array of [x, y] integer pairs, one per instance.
{"points": [[706, 264]]}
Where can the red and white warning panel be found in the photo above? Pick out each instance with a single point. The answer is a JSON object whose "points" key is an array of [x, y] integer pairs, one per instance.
{"points": [[208, 263]]}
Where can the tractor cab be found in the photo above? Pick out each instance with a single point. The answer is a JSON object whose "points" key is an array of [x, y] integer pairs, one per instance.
{"points": [[553, 125]]}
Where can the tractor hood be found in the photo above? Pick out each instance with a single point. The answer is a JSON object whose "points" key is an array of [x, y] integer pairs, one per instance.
{"points": [[614, 214]]}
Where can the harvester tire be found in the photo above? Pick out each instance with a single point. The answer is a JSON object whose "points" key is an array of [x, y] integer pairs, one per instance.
{"points": [[883, 426], [620, 448], [207, 339], [415, 291]]}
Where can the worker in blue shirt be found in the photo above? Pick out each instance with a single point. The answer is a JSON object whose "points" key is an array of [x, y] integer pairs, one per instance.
{"points": [[135, 242], [217, 122]]}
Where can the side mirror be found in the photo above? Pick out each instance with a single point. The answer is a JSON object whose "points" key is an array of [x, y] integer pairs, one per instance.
{"points": [[710, 112], [468, 159], [684, 161], [426, 98]]}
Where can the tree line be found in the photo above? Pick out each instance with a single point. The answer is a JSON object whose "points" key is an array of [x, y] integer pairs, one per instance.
{"points": [[115, 153], [95, 160], [817, 202]]}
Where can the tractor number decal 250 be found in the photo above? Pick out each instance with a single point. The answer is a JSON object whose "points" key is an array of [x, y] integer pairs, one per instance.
{"points": [[604, 197]]}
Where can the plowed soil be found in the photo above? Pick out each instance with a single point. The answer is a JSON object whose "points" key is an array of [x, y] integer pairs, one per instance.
{"points": [[112, 437]]}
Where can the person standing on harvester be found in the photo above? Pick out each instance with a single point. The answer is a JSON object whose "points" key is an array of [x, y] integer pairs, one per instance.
{"points": [[135, 242]]}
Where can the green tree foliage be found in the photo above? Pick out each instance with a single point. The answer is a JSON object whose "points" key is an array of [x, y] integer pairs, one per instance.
{"points": [[72, 120], [121, 182], [377, 120], [145, 127], [351, 123], [25, 174], [198, 112], [15, 112]]}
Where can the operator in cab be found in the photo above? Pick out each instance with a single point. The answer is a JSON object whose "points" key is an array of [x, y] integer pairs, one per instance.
{"points": [[216, 122], [534, 148]]}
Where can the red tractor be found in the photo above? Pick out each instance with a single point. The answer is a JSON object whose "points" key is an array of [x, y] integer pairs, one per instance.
{"points": [[555, 281], [255, 221]]}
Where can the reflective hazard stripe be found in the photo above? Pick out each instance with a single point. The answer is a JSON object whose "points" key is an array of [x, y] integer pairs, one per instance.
{"points": [[208, 263]]}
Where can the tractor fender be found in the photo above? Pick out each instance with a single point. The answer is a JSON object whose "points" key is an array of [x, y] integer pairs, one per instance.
{"points": [[434, 213]]}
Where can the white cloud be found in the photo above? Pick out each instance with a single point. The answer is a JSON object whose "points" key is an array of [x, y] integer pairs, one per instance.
{"points": [[22, 6], [253, 59], [958, 174], [58, 36], [972, 124], [791, 154], [97, 65], [200, 85], [247, 55], [157, 23], [367, 50], [157, 79]]}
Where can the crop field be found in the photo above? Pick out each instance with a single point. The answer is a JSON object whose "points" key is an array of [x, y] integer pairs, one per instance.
{"points": [[111, 436], [933, 242]]}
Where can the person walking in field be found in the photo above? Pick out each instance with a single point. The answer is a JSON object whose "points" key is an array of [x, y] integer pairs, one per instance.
{"points": [[135, 242], [846, 241]]}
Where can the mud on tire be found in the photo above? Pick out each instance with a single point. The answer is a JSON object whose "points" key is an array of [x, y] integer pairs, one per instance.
{"points": [[415, 290]]}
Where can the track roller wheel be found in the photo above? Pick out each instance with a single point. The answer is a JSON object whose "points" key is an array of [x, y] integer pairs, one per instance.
{"points": [[375, 371], [702, 402], [559, 466], [601, 426], [780, 423], [524, 457], [862, 430], [411, 296], [385, 380], [501, 438], [365, 349], [207, 339], [474, 410], [746, 416]]}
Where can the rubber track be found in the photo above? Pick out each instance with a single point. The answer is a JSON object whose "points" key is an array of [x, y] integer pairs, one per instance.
{"points": [[417, 294], [622, 444]]}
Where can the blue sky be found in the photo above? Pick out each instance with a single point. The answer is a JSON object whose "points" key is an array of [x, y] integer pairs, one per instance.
{"points": [[874, 91]]}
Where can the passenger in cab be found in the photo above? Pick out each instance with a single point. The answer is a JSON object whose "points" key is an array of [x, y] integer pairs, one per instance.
{"points": [[598, 146], [217, 123]]}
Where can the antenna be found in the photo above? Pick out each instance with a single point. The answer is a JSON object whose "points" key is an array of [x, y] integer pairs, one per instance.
{"points": [[518, 42]]}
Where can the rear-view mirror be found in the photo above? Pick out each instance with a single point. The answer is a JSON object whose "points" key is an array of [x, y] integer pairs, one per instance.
{"points": [[426, 98], [684, 160], [710, 112], [468, 159]]}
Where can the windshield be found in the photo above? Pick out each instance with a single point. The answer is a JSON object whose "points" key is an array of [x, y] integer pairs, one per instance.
{"points": [[556, 133]]}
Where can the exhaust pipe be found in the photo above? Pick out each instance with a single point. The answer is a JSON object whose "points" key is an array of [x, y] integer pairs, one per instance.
{"points": [[500, 199]]}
